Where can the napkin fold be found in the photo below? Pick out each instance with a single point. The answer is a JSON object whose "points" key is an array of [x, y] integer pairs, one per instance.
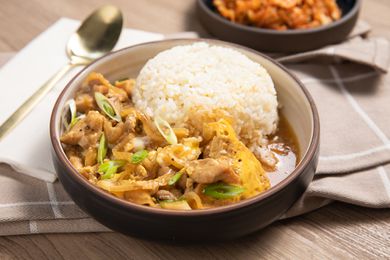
{"points": [[350, 86], [347, 81]]}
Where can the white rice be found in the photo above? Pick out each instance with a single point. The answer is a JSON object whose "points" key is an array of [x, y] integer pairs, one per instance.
{"points": [[212, 77]]}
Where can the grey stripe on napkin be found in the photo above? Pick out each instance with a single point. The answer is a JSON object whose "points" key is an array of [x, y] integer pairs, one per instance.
{"points": [[352, 93]]}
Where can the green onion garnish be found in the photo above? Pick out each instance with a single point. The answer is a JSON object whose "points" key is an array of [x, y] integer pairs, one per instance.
{"points": [[139, 156], [108, 169], [165, 130], [222, 191], [71, 104], [102, 149], [73, 122], [176, 177], [104, 104]]}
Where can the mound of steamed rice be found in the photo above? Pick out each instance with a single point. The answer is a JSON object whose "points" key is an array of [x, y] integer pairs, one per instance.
{"points": [[208, 77]]}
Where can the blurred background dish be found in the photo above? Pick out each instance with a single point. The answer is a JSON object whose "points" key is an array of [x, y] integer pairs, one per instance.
{"points": [[284, 39]]}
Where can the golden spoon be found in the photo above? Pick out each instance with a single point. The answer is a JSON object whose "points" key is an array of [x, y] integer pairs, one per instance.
{"points": [[96, 36]]}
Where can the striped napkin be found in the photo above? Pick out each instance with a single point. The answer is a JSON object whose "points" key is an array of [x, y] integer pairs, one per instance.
{"points": [[352, 91]]}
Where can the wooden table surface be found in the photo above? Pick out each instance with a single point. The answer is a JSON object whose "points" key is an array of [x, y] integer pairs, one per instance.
{"points": [[336, 231]]}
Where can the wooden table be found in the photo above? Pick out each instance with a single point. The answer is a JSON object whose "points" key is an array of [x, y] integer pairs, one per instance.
{"points": [[336, 231]]}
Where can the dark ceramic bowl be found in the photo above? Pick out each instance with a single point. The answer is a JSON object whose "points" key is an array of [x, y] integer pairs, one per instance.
{"points": [[210, 224], [279, 41]]}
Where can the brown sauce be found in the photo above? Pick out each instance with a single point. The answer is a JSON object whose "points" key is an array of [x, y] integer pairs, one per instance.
{"points": [[285, 146]]}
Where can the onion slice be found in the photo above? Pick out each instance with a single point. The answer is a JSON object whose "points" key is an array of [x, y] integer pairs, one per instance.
{"points": [[175, 204], [165, 130], [107, 107], [102, 149]]}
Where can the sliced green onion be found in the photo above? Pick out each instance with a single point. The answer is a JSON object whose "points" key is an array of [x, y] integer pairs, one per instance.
{"points": [[108, 169], [139, 156], [176, 177], [71, 105], [73, 122], [102, 149], [222, 191], [175, 204], [105, 105], [165, 130]]}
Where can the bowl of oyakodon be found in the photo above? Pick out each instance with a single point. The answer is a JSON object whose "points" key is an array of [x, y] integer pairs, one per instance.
{"points": [[186, 139]]}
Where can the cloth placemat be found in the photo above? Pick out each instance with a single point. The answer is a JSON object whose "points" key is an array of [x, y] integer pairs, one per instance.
{"points": [[351, 91]]}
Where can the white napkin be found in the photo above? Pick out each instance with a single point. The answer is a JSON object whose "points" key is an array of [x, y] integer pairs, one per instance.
{"points": [[27, 147]]}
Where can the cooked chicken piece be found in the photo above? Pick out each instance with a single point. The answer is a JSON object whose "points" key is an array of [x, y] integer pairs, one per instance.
{"points": [[86, 132], [100, 88], [75, 157], [164, 170], [84, 103], [150, 129], [150, 164], [94, 121], [181, 132], [266, 157], [117, 93], [75, 134], [182, 182], [113, 133], [176, 192], [165, 195], [126, 85], [76, 161], [125, 144], [90, 156], [137, 122], [212, 170], [131, 121], [89, 172], [97, 79]]}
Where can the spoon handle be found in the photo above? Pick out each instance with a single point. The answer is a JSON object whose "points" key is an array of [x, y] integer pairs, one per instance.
{"points": [[32, 101]]}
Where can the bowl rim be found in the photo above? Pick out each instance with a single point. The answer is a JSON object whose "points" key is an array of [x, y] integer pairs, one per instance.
{"points": [[253, 29], [299, 169]]}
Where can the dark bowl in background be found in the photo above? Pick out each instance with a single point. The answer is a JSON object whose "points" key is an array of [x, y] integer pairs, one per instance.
{"points": [[288, 41], [219, 223]]}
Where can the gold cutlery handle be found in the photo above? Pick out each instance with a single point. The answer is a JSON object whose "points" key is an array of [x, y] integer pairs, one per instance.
{"points": [[32, 101]]}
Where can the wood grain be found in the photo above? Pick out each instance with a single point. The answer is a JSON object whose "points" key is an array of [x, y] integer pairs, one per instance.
{"points": [[338, 231]]}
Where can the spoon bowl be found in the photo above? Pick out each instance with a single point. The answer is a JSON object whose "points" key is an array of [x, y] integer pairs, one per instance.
{"points": [[96, 36]]}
